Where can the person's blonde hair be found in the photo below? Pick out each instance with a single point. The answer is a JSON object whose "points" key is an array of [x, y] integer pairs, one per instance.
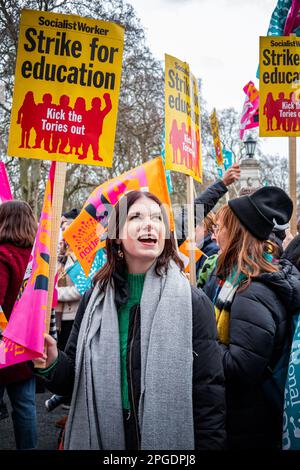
{"points": [[209, 222], [242, 250]]}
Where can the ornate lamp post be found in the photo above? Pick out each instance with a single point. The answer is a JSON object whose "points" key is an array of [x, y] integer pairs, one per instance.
{"points": [[250, 145], [250, 169]]}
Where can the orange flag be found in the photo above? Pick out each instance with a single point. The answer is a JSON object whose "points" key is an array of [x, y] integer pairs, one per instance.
{"points": [[184, 250], [86, 235], [3, 321]]}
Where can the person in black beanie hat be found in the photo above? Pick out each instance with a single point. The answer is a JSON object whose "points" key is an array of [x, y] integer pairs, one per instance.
{"points": [[267, 209], [254, 301]]}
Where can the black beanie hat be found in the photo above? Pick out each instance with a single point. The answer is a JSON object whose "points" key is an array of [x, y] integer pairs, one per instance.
{"points": [[262, 211], [72, 214]]}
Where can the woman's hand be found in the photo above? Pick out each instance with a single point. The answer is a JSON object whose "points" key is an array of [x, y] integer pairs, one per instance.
{"points": [[50, 353]]}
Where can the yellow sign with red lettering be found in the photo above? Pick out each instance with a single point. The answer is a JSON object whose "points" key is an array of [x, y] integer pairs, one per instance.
{"points": [[216, 137], [67, 83], [279, 89], [182, 119]]}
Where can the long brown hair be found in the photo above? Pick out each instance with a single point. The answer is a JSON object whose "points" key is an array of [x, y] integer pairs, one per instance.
{"points": [[17, 224], [243, 251], [115, 225]]}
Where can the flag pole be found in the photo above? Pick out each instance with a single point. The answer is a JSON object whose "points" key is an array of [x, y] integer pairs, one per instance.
{"points": [[191, 228], [292, 181], [293, 178], [57, 202]]}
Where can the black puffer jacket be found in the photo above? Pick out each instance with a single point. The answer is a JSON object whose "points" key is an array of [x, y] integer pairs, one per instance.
{"points": [[208, 378], [210, 196], [259, 319]]}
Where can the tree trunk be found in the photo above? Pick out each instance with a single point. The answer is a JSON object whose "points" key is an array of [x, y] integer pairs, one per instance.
{"points": [[30, 173]]}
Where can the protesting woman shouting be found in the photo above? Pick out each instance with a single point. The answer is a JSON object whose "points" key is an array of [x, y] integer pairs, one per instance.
{"points": [[142, 362]]}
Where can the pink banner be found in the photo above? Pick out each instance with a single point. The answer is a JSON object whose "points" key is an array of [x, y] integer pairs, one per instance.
{"points": [[293, 19], [250, 114], [24, 335], [5, 191]]}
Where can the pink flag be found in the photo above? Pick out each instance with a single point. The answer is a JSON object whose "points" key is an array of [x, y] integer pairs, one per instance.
{"points": [[292, 21], [5, 192], [24, 335], [249, 117]]}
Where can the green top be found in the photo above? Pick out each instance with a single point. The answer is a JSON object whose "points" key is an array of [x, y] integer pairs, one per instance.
{"points": [[206, 270], [135, 284]]}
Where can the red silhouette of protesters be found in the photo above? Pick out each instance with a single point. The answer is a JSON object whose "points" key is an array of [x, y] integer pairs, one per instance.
{"points": [[291, 122], [60, 136], [26, 118], [41, 114], [76, 140], [183, 153], [270, 111], [94, 118], [281, 121], [197, 153], [174, 140], [190, 148]]}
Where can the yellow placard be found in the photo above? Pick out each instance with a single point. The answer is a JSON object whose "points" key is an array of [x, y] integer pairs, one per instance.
{"points": [[67, 83], [279, 86], [214, 124], [182, 119]]}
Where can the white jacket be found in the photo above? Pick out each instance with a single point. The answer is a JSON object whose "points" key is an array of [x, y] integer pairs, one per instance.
{"points": [[68, 296]]}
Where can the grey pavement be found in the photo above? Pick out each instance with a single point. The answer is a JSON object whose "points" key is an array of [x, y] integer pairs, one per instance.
{"points": [[47, 432]]}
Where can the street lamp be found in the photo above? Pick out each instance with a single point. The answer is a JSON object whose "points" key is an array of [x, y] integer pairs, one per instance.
{"points": [[250, 145]]}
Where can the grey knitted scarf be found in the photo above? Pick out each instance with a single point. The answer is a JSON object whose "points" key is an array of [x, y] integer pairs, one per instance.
{"points": [[165, 408]]}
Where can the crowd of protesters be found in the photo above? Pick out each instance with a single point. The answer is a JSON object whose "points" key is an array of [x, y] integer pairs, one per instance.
{"points": [[145, 361]]}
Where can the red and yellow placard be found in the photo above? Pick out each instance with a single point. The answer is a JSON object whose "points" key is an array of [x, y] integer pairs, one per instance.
{"points": [[182, 119], [67, 83], [214, 124], [279, 89]]}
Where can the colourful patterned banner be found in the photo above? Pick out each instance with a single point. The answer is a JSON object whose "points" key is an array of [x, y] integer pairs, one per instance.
{"points": [[250, 115], [284, 19], [184, 253], [86, 235], [78, 277], [24, 335], [291, 414]]}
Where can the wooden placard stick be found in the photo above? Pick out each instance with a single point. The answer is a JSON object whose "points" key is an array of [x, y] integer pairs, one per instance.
{"points": [[57, 202], [293, 177], [191, 228], [293, 182]]}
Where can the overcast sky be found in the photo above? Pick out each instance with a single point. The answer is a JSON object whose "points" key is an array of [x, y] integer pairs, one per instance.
{"points": [[220, 41]]}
